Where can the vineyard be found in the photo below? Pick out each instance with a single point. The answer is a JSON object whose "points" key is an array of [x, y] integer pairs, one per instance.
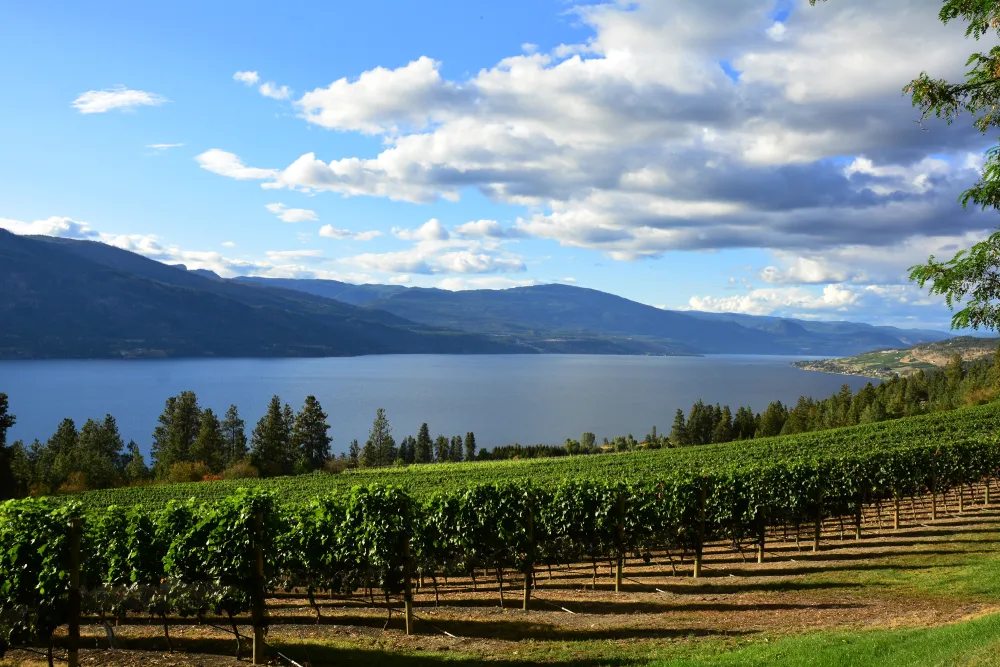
{"points": [[956, 427], [143, 553]]}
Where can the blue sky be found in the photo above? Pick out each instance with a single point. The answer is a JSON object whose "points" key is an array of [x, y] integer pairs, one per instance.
{"points": [[766, 164]]}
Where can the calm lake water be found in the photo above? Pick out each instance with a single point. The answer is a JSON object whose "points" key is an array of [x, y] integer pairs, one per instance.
{"points": [[504, 399]]}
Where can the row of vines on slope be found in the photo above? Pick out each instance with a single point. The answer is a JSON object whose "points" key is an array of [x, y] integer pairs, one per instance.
{"points": [[194, 558]]}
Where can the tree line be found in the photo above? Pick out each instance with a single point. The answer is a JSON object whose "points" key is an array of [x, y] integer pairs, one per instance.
{"points": [[191, 443]]}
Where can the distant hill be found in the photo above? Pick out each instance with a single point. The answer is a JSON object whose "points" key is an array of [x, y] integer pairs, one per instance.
{"points": [[906, 361], [540, 314], [63, 298]]}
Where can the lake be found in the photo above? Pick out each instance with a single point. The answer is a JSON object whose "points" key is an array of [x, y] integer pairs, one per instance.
{"points": [[504, 399]]}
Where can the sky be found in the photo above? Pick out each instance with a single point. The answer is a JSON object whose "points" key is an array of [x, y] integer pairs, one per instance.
{"points": [[735, 155]]}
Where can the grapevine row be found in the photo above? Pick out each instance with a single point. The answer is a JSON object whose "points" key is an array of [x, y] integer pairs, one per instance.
{"points": [[222, 557]]}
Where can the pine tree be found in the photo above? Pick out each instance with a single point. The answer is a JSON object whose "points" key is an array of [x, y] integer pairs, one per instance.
{"points": [[135, 467], [678, 433], [179, 426], [772, 421], [310, 436], [354, 455], [723, 431], [455, 451], [441, 449], [424, 452], [8, 482], [210, 445], [234, 436], [470, 446], [407, 449], [380, 449], [269, 445], [744, 424]]}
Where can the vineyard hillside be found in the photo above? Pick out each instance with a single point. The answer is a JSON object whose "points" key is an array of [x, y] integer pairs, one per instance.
{"points": [[952, 428]]}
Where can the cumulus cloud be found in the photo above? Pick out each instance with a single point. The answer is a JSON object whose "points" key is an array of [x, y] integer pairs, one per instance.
{"points": [[227, 164], [300, 255], [492, 282], [54, 226], [246, 78], [159, 148], [275, 92], [635, 141], [119, 97], [286, 214], [432, 230], [331, 232]]}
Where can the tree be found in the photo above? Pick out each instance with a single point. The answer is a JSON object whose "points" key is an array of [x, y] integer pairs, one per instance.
{"points": [[455, 451], [971, 275], [234, 436], [424, 452], [470, 446], [380, 449], [98, 454], [135, 466], [407, 449], [269, 446], [772, 421], [678, 433], [178, 428], [355, 453], [310, 435], [441, 448], [723, 431], [588, 443], [210, 445], [8, 483]]}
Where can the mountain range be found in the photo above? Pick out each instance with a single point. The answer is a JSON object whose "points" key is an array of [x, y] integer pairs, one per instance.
{"points": [[62, 298]]}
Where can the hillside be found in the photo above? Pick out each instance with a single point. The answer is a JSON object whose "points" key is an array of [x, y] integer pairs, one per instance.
{"points": [[905, 361], [538, 314], [81, 299]]}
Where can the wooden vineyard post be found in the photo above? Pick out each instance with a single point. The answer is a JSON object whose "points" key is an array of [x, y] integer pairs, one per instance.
{"points": [[986, 497], [407, 587], [74, 592], [620, 537], [819, 514], [701, 531], [762, 524], [257, 595], [961, 499], [529, 565], [895, 511], [857, 517]]}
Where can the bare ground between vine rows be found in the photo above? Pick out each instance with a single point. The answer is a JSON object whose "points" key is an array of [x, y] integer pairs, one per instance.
{"points": [[794, 590]]}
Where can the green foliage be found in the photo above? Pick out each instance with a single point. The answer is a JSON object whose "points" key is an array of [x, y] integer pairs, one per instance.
{"points": [[209, 446], [270, 448], [179, 426], [380, 449], [310, 437]]}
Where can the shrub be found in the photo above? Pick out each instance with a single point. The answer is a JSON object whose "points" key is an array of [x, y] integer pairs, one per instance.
{"points": [[76, 482], [188, 471], [335, 466], [240, 470]]}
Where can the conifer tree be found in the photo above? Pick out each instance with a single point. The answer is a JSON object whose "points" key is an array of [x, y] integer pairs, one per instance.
{"points": [[135, 466], [772, 420], [354, 454], [678, 433], [424, 452], [7, 420], [441, 448], [209, 447], [234, 436], [407, 449], [470, 446], [723, 431], [455, 451], [179, 426], [8, 482], [310, 436], [380, 449], [269, 445]]}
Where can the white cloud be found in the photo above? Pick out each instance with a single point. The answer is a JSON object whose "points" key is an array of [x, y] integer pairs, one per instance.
{"points": [[402, 279], [162, 147], [226, 164], [493, 282], [286, 214], [331, 232], [275, 92], [246, 78], [228, 244], [119, 97], [776, 31], [432, 230], [491, 229], [767, 301], [54, 226]]}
